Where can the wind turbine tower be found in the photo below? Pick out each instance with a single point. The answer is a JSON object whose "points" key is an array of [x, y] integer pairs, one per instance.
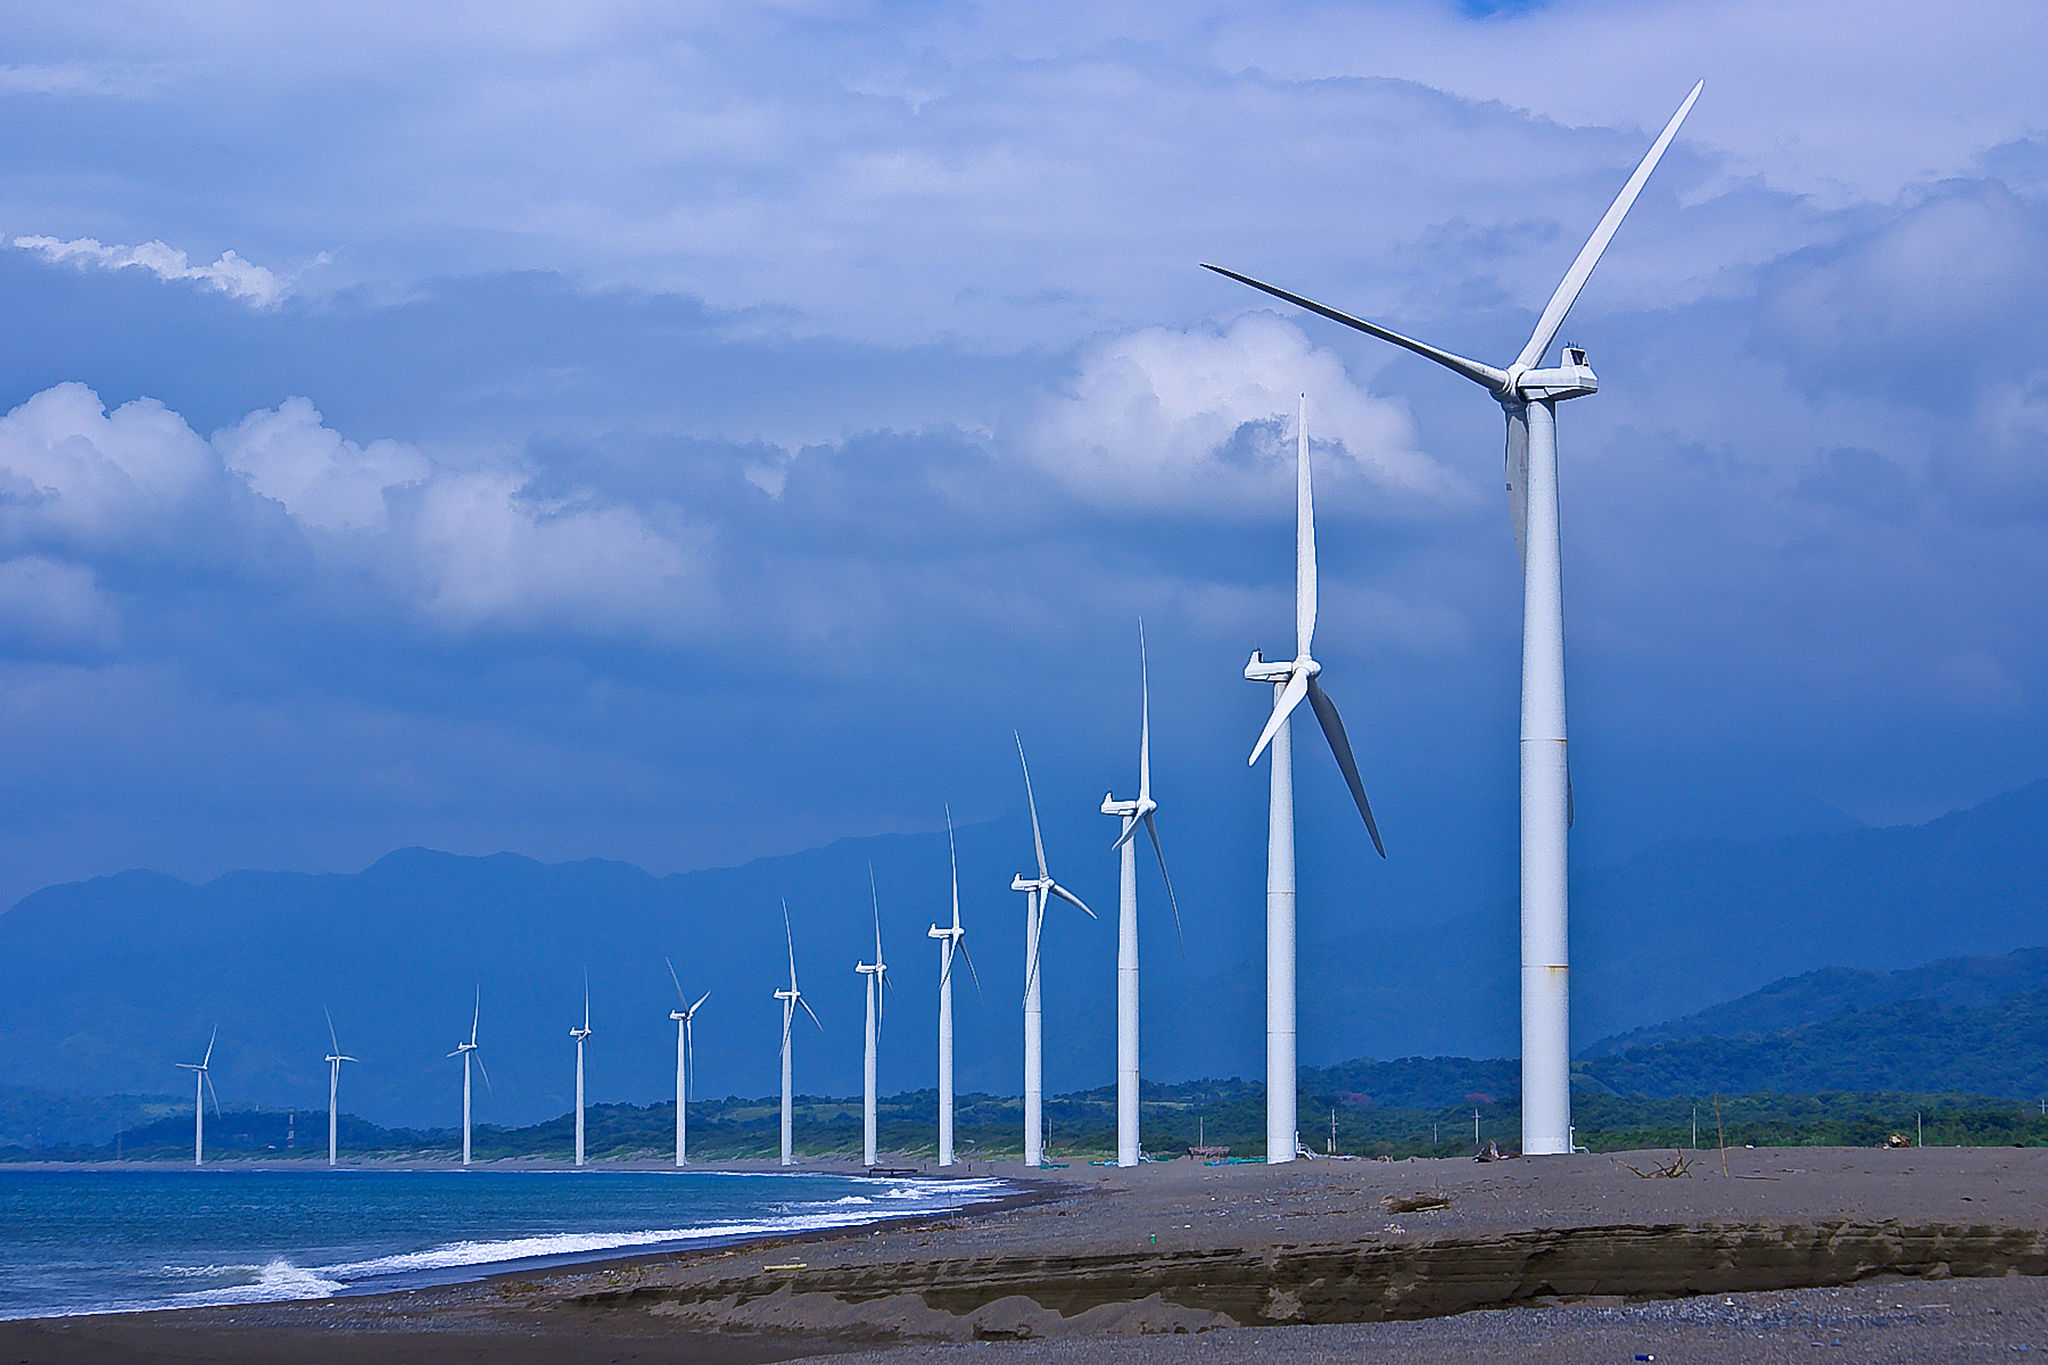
{"points": [[874, 975], [467, 1051], [581, 1035], [1038, 892], [686, 1060], [1528, 396], [202, 1085], [790, 999], [1133, 814], [334, 1061], [952, 942], [1291, 682]]}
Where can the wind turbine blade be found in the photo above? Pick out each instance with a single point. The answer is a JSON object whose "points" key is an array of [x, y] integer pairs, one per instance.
{"points": [[1571, 810], [790, 939], [1130, 831], [1290, 697], [813, 1013], [203, 1061], [1589, 255], [1071, 899], [1518, 480], [700, 1002], [586, 999], [681, 999], [1153, 830], [952, 853], [1471, 369], [1304, 541], [476, 1015], [1037, 839], [330, 1029], [876, 897], [972, 975], [1145, 721], [211, 1092], [480, 1071], [1333, 730]]}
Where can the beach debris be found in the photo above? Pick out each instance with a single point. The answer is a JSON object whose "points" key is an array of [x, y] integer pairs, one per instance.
{"points": [[1492, 1152], [1415, 1203], [1680, 1164], [787, 1265], [1897, 1140], [1208, 1153]]}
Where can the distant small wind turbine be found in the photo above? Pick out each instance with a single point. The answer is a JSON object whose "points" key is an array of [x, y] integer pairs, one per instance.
{"points": [[581, 1035], [686, 1060], [790, 999], [1528, 397], [951, 941], [334, 1061], [1133, 813], [1037, 891], [467, 1051], [1292, 681], [875, 975], [202, 1086]]}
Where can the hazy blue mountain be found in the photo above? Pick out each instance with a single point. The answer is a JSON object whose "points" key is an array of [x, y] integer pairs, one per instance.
{"points": [[106, 984], [1913, 1045], [1816, 997]]}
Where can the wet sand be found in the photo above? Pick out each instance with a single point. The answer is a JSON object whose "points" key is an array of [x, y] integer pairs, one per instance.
{"points": [[1906, 1255]]}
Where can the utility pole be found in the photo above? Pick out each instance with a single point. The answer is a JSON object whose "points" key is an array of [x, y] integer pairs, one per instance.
{"points": [[1475, 1127]]}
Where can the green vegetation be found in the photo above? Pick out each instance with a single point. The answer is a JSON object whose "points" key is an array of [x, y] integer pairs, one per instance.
{"points": [[1082, 1126]]}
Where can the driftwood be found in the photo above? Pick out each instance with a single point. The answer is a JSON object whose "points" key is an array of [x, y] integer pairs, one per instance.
{"points": [[1680, 1164]]}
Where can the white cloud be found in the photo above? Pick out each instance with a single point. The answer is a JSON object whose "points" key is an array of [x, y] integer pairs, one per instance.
{"points": [[1174, 421], [324, 480], [231, 275], [73, 474], [459, 548], [48, 608]]}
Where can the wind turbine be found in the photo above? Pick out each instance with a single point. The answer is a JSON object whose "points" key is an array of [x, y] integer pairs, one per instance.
{"points": [[1529, 397], [467, 1051], [1037, 891], [790, 999], [334, 1061], [1133, 814], [580, 1035], [686, 1059], [202, 1085], [876, 975], [1291, 681], [950, 941]]}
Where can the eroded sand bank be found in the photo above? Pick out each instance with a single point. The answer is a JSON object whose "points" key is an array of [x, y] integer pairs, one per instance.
{"points": [[1897, 1254]]}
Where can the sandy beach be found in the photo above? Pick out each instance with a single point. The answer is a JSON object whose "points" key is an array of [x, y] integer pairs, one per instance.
{"points": [[1871, 1255]]}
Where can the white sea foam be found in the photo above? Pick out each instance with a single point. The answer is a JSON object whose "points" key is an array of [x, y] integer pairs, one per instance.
{"points": [[272, 1282]]}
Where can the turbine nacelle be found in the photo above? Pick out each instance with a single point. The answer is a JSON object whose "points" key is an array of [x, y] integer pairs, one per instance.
{"points": [[1259, 670], [1130, 810], [1573, 379]]}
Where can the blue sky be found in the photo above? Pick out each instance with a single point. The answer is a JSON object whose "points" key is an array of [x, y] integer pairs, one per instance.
{"points": [[683, 433]]}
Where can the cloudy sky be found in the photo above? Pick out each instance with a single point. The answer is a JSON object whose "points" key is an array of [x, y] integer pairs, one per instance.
{"points": [[684, 432]]}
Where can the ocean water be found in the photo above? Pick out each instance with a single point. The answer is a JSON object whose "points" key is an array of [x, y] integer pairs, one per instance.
{"points": [[105, 1240]]}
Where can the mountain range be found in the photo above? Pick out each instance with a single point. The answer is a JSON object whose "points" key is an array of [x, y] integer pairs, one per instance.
{"points": [[106, 984]]}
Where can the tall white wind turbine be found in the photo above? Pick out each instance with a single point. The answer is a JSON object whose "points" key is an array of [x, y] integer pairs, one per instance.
{"points": [[334, 1061], [686, 1060], [1292, 681], [202, 1085], [790, 999], [1133, 814], [874, 976], [1529, 397], [581, 1035], [467, 1051], [952, 942], [1038, 892]]}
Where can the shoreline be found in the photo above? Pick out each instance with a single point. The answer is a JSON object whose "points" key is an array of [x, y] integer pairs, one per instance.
{"points": [[1410, 1252]]}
